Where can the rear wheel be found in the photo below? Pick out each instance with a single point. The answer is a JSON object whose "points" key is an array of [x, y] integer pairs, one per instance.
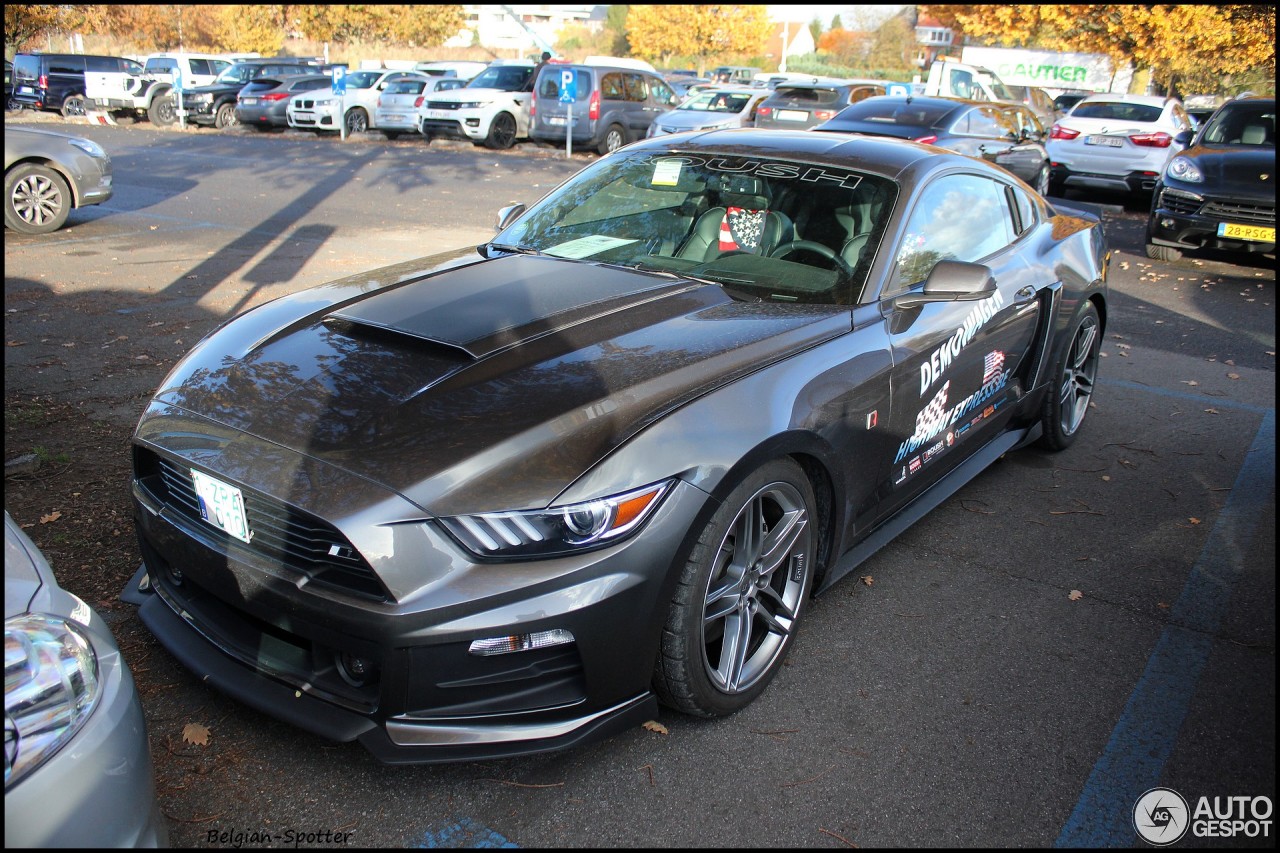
{"points": [[74, 107], [1041, 184], [736, 607], [225, 117], [1163, 253], [36, 199], [1077, 370], [502, 132], [614, 138]]}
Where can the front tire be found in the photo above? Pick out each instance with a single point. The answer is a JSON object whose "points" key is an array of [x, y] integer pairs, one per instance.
{"points": [[37, 199], [502, 132], [357, 121], [225, 117], [1077, 371], [1163, 253], [163, 111], [737, 604]]}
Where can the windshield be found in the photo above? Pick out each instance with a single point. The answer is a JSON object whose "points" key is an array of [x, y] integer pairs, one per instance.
{"points": [[1000, 90], [1243, 124], [509, 78], [716, 102], [724, 219], [362, 79]]}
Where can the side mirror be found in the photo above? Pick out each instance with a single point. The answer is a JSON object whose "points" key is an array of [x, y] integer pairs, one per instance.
{"points": [[952, 281], [1184, 138], [509, 214]]}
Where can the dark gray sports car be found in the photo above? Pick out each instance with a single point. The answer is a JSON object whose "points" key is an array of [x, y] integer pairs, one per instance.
{"points": [[508, 499]]}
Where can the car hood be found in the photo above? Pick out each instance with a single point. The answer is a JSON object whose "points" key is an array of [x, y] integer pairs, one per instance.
{"points": [[25, 569], [1234, 170], [488, 384], [462, 96]]}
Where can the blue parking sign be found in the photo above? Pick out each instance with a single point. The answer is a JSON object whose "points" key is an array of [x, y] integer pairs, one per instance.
{"points": [[900, 90], [568, 86], [339, 80]]}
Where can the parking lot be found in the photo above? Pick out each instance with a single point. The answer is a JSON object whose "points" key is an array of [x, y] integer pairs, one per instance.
{"points": [[1065, 633]]}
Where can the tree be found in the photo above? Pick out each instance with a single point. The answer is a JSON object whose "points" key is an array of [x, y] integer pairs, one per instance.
{"points": [[815, 29], [701, 32], [893, 47], [25, 25], [1178, 43], [845, 46], [616, 26], [249, 29]]}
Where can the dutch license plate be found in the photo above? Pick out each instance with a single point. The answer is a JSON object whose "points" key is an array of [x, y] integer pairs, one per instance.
{"points": [[436, 113], [248, 101], [556, 121], [394, 117], [222, 505], [792, 115], [1236, 231], [1109, 141], [26, 90]]}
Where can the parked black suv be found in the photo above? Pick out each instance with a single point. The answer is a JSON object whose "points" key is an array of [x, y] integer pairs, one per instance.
{"points": [[55, 81], [215, 105]]}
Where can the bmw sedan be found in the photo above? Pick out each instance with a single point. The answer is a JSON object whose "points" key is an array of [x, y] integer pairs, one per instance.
{"points": [[1220, 193], [507, 499]]}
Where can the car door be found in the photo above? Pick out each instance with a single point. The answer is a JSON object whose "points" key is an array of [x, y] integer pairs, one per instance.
{"points": [[958, 365]]}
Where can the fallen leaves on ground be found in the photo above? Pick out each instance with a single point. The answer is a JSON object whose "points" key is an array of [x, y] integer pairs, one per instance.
{"points": [[196, 733], [1075, 595]]}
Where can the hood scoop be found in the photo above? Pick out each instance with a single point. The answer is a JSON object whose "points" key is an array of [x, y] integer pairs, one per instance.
{"points": [[487, 307]]}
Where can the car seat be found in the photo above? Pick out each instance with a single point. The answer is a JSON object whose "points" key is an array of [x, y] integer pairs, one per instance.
{"points": [[741, 221], [1254, 134]]}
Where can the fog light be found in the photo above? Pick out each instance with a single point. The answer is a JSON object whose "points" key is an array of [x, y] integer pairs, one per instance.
{"points": [[1166, 223], [520, 642], [356, 671]]}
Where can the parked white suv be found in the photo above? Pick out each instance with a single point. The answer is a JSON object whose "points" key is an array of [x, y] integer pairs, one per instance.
{"points": [[492, 110], [1115, 142], [322, 110]]}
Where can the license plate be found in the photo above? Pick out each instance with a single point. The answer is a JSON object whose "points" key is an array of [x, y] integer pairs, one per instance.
{"points": [[222, 505], [437, 114], [792, 115], [26, 90], [248, 101], [395, 117], [1258, 233], [1109, 141]]}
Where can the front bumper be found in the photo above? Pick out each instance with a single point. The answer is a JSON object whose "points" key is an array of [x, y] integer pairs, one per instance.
{"points": [[282, 643], [459, 124], [317, 118], [1188, 220]]}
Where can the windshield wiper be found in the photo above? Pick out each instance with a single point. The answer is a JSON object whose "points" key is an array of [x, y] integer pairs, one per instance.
{"points": [[512, 249]]}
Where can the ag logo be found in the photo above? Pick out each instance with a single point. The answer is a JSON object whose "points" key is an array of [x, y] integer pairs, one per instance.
{"points": [[1161, 816]]}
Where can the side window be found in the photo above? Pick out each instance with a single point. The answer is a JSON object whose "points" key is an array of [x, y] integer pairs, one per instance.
{"points": [[661, 92], [635, 88], [217, 66], [956, 218], [611, 87], [200, 66], [1004, 123], [69, 65], [1026, 209], [961, 83]]}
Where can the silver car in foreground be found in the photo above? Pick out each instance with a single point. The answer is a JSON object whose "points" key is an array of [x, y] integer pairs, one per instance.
{"points": [[46, 174], [710, 109], [77, 766]]}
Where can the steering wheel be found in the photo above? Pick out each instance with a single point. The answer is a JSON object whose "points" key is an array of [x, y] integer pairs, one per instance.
{"points": [[817, 248]]}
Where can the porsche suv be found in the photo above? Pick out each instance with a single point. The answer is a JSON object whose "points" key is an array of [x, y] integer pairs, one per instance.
{"points": [[507, 499], [1220, 192]]}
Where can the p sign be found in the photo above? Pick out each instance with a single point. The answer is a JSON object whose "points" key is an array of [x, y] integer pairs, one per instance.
{"points": [[898, 90], [339, 73], [568, 85]]}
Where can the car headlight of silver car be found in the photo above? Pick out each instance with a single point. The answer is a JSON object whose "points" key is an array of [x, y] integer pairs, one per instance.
{"points": [[89, 147], [50, 689], [558, 530], [1184, 169]]}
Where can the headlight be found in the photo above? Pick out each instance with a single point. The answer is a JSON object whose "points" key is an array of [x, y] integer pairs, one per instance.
{"points": [[1185, 169], [471, 105], [89, 147], [198, 98], [558, 530], [50, 689]]}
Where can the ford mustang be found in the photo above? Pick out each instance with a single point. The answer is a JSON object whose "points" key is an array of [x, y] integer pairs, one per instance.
{"points": [[508, 499]]}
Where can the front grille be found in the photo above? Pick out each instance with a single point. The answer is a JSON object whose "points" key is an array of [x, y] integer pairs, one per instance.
{"points": [[296, 540], [443, 105], [1183, 204], [1240, 211]]}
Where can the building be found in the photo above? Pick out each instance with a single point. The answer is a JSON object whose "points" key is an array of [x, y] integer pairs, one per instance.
{"points": [[933, 39], [516, 32]]}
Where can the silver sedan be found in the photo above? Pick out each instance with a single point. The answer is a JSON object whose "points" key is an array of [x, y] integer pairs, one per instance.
{"points": [[47, 174]]}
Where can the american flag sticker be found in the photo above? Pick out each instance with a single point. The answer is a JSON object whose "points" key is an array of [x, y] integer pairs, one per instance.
{"points": [[741, 229], [992, 365]]}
